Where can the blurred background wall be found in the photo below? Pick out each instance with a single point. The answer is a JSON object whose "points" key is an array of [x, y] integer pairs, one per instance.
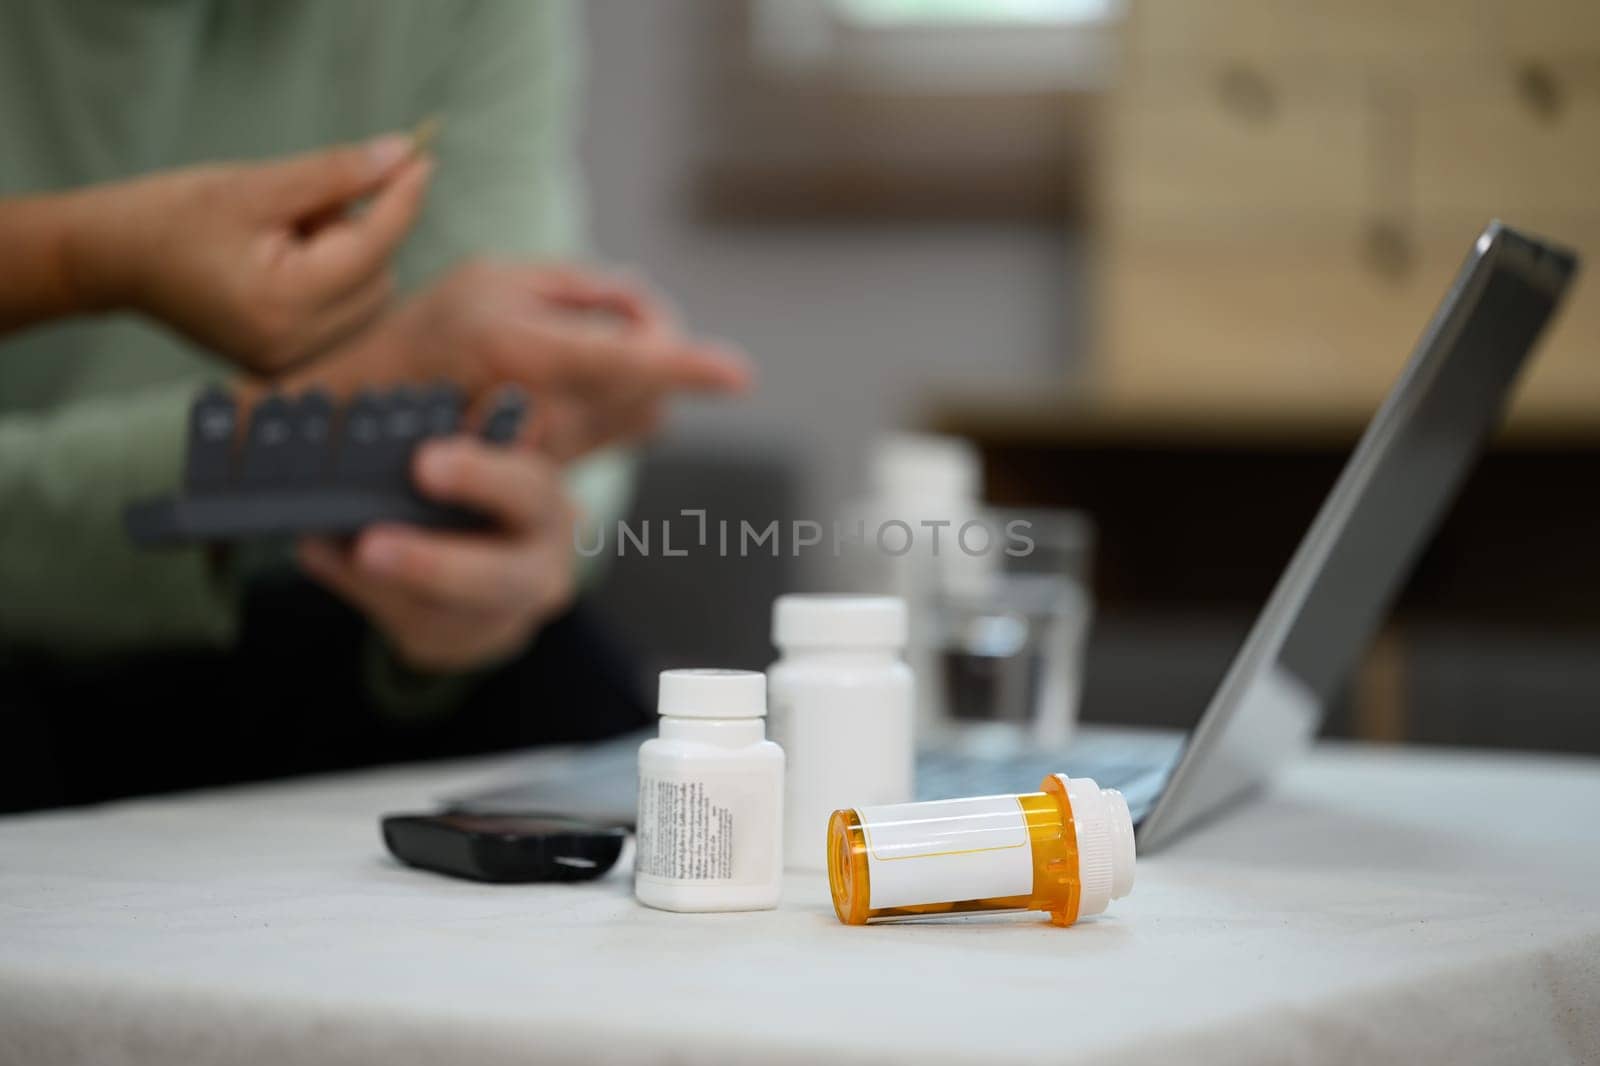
{"points": [[1159, 261], [850, 319]]}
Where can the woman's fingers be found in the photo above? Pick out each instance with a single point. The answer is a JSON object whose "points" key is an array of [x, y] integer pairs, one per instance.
{"points": [[330, 177], [347, 251], [579, 289], [452, 570], [438, 620], [517, 564], [519, 490], [568, 426], [552, 348], [326, 281]]}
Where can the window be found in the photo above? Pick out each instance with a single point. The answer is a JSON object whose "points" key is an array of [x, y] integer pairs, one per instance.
{"points": [[895, 108]]}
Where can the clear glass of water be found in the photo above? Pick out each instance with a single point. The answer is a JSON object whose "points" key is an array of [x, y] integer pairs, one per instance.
{"points": [[1010, 636]]}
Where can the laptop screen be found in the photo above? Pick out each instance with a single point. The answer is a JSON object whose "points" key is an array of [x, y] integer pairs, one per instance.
{"points": [[1390, 497]]}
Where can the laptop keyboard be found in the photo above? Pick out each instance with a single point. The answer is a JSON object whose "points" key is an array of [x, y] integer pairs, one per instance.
{"points": [[598, 781], [947, 774]]}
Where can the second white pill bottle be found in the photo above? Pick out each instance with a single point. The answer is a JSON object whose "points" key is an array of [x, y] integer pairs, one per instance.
{"points": [[710, 829], [842, 705]]}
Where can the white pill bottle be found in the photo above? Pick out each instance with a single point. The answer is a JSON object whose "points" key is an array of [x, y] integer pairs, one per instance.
{"points": [[710, 828], [842, 703]]}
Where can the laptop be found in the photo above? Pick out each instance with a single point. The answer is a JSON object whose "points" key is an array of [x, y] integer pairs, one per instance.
{"points": [[1325, 609]]}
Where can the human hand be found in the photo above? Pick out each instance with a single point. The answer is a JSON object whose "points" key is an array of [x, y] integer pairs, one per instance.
{"points": [[456, 601], [599, 354], [263, 263]]}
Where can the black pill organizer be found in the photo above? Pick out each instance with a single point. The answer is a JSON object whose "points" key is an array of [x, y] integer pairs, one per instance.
{"points": [[307, 465]]}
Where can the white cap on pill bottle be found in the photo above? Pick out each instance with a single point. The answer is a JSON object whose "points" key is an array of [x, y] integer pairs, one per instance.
{"points": [[831, 621], [1104, 831], [712, 694]]}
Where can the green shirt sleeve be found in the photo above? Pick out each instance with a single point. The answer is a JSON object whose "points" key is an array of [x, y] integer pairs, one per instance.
{"points": [[507, 184], [70, 580]]}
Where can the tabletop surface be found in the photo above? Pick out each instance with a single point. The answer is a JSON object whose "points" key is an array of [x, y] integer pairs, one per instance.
{"points": [[1377, 905]]}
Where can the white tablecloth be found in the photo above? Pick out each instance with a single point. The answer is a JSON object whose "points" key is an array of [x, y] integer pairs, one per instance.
{"points": [[1376, 906]]}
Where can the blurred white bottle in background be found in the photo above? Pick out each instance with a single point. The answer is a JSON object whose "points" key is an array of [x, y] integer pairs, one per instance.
{"points": [[923, 490], [998, 601]]}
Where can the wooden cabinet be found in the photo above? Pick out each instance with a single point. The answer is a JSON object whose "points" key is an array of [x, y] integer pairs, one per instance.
{"points": [[1286, 188], [1358, 29], [1201, 145]]}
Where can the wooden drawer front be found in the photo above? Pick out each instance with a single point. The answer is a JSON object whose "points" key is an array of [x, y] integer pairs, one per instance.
{"points": [[1306, 322], [1236, 142], [1546, 28], [1269, 322], [1362, 28], [1509, 138]]}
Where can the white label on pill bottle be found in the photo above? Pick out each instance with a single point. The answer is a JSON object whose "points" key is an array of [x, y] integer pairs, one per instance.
{"points": [[945, 851], [715, 828]]}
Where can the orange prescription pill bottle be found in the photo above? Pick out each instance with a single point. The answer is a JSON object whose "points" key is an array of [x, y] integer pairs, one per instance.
{"points": [[1067, 849]]}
